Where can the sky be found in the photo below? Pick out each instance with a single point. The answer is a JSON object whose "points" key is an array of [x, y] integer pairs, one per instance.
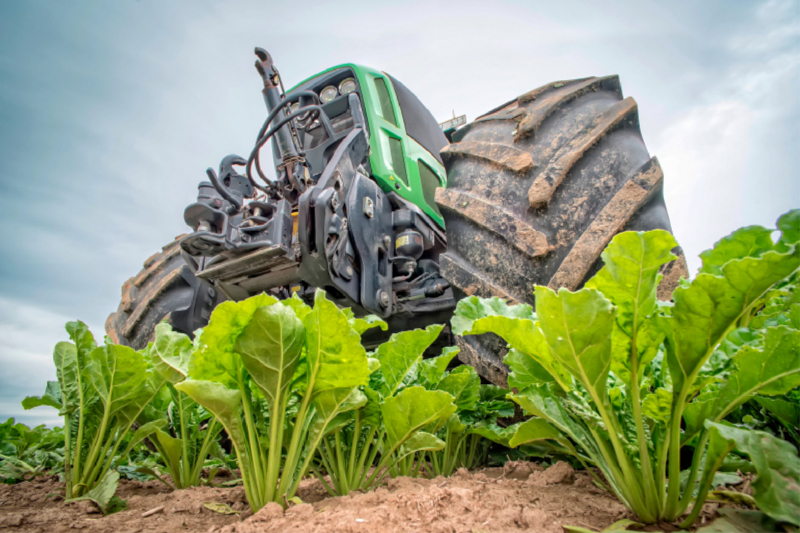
{"points": [[110, 112]]}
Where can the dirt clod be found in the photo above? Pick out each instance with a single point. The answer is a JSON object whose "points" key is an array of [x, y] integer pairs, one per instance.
{"points": [[560, 472], [269, 512]]}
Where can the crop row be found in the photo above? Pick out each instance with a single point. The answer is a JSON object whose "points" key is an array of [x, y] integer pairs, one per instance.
{"points": [[660, 401]]}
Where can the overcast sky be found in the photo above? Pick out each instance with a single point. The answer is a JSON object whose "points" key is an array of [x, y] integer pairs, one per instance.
{"points": [[111, 111]]}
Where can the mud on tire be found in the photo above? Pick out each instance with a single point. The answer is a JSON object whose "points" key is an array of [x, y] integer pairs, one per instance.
{"points": [[166, 288], [537, 188]]}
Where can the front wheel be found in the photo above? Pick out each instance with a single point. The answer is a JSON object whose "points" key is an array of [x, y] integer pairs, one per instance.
{"points": [[536, 189], [165, 289]]}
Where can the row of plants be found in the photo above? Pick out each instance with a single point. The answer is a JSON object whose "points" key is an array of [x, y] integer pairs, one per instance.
{"points": [[612, 379], [628, 384]]}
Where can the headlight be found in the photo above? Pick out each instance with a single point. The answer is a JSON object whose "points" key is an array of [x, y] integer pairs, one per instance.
{"points": [[347, 86], [328, 94], [294, 107]]}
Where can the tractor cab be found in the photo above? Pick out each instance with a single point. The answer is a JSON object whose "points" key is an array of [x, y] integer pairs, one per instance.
{"points": [[404, 138]]}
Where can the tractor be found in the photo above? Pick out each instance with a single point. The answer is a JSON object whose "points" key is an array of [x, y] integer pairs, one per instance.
{"points": [[395, 216]]}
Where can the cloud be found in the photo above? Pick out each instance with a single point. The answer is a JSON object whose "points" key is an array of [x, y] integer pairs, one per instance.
{"points": [[27, 336], [110, 114], [729, 161]]}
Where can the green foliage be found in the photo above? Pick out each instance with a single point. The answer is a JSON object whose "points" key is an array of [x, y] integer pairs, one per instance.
{"points": [[26, 452], [101, 392], [104, 494], [279, 377], [398, 419], [186, 432], [610, 373]]}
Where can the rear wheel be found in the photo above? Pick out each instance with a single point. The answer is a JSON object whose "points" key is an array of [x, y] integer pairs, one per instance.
{"points": [[536, 190], [166, 288]]}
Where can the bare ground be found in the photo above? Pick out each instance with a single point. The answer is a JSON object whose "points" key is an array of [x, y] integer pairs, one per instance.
{"points": [[521, 497]]}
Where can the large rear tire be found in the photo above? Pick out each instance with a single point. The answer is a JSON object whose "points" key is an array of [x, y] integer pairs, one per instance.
{"points": [[536, 190], [166, 288]]}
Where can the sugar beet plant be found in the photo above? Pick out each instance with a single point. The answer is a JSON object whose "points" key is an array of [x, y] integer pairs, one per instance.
{"points": [[190, 432], [101, 392], [624, 382], [419, 419], [281, 377], [397, 421]]}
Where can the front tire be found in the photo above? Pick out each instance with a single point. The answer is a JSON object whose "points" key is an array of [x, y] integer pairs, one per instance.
{"points": [[535, 191], [165, 289]]}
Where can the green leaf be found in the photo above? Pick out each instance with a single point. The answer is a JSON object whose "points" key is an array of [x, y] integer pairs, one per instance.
{"points": [[220, 508], [473, 309], [142, 433], [620, 525], [174, 450], [215, 361], [751, 241], [360, 325], [775, 488], [541, 401], [495, 433], [371, 412], [50, 398], [630, 276], [420, 442], [491, 392], [770, 367], [431, 370], [118, 373], [577, 328], [412, 409], [373, 364], [649, 339], [270, 348], [731, 496], [103, 494], [68, 372], [333, 408], [401, 352], [789, 224], [225, 403], [524, 370], [658, 405], [739, 521], [707, 308], [83, 339], [534, 429], [770, 370], [170, 353], [454, 426], [300, 308], [785, 410], [336, 358], [516, 325], [464, 384]]}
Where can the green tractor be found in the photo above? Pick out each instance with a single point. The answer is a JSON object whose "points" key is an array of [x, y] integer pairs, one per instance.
{"points": [[392, 216]]}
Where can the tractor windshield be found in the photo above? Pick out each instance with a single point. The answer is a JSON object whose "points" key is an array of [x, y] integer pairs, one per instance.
{"points": [[420, 124]]}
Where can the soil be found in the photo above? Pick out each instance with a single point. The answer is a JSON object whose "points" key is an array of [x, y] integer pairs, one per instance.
{"points": [[520, 497]]}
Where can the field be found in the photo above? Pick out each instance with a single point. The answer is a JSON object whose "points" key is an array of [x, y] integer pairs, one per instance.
{"points": [[622, 412], [521, 497]]}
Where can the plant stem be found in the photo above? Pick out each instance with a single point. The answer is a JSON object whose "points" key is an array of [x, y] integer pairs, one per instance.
{"points": [[255, 447], [702, 493], [340, 460], [354, 450], [185, 459], [651, 499], [201, 456], [67, 454]]}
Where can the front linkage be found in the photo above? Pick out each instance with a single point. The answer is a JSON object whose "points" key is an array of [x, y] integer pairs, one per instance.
{"points": [[324, 222]]}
